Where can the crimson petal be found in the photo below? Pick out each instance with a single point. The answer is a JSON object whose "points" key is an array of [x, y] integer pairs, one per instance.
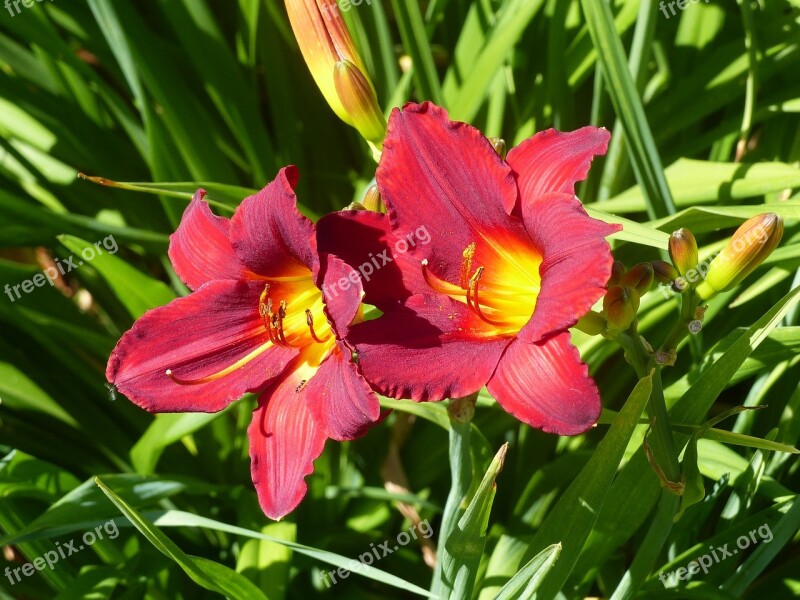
{"points": [[200, 249], [576, 263], [341, 291], [284, 442], [447, 175], [340, 399], [364, 240], [270, 236], [431, 349], [196, 336], [547, 386], [553, 161]]}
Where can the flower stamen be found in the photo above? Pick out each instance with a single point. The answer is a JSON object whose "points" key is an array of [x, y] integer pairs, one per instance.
{"points": [[466, 265], [473, 301], [222, 373], [310, 323], [434, 282]]}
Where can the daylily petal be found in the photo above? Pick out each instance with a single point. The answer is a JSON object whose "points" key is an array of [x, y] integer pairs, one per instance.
{"points": [[340, 399], [196, 336], [431, 349], [447, 175], [364, 240], [284, 442], [200, 249], [576, 262], [341, 291], [269, 234], [547, 386], [553, 161]]}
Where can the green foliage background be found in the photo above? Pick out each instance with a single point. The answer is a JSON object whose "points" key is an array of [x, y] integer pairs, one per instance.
{"points": [[190, 93]]}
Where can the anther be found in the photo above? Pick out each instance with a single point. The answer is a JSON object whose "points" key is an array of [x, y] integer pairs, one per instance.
{"points": [[466, 265]]}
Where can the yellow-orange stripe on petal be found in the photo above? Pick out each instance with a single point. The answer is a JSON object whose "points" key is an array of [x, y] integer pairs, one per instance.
{"points": [[324, 41]]}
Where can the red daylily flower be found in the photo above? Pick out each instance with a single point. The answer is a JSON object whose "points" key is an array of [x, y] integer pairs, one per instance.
{"points": [[255, 322], [512, 262]]}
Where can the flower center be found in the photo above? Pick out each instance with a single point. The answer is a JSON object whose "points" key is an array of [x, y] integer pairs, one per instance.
{"points": [[292, 315], [501, 293]]}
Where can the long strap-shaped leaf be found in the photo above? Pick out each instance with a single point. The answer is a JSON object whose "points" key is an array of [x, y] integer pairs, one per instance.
{"points": [[628, 106]]}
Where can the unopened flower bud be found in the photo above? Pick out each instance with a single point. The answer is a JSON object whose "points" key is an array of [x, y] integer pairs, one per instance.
{"points": [[325, 41], [372, 200], [664, 272], [591, 323], [683, 250], [640, 278], [499, 146], [752, 243], [617, 272], [620, 306], [359, 101]]}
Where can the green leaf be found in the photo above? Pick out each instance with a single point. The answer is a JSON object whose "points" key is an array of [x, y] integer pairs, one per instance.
{"points": [[206, 573], [84, 505], [694, 490], [696, 182], [415, 42], [174, 518], [137, 292], [525, 583], [755, 564], [166, 429], [466, 542], [571, 520], [628, 105], [631, 230]]}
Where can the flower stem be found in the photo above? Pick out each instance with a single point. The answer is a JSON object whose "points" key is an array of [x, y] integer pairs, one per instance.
{"points": [[665, 454], [460, 411]]}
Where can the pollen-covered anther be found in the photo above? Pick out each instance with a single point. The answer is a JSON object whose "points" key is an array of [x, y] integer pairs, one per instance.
{"points": [[310, 323], [466, 265], [277, 325]]}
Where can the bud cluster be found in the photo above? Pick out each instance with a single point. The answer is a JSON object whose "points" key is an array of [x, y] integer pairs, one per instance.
{"points": [[752, 243]]}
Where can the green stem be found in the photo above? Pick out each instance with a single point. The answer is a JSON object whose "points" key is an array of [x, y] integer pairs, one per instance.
{"points": [[461, 411], [680, 330], [662, 442]]}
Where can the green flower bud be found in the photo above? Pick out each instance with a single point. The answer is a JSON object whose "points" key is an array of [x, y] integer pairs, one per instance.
{"points": [[620, 306], [591, 323], [617, 271], [360, 103], [372, 200], [640, 278], [683, 250], [664, 272], [499, 145], [752, 243]]}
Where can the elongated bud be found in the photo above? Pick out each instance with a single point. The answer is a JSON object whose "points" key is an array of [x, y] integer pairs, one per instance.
{"points": [[683, 250], [359, 101], [752, 243], [324, 40], [640, 278], [372, 200], [664, 272], [617, 272], [591, 323], [620, 306]]}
